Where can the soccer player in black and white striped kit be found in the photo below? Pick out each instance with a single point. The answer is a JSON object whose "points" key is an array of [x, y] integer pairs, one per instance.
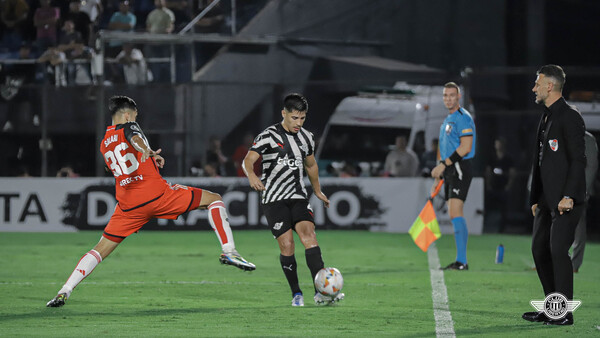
{"points": [[287, 151]]}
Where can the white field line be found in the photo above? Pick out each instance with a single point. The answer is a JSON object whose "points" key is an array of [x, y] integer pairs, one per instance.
{"points": [[444, 326], [144, 283], [203, 282]]}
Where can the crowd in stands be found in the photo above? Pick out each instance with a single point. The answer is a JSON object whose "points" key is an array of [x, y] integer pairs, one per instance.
{"points": [[61, 35]]}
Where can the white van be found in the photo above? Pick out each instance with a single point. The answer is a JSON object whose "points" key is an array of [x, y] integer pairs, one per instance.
{"points": [[363, 128]]}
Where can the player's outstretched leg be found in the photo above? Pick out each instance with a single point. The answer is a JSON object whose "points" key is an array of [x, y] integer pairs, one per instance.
{"points": [[84, 268], [217, 217]]}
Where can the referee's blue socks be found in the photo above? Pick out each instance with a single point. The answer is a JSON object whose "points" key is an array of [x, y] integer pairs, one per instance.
{"points": [[461, 234]]}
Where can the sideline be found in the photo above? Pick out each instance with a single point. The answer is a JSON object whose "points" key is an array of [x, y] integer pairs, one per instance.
{"points": [[444, 326]]}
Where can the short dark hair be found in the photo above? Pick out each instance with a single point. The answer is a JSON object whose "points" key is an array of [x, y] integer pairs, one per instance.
{"points": [[116, 103], [556, 73], [452, 85], [295, 101]]}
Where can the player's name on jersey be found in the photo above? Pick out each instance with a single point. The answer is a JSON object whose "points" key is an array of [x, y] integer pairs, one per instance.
{"points": [[110, 140]]}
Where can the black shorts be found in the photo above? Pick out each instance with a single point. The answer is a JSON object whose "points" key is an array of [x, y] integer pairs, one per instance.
{"points": [[283, 215], [457, 180]]}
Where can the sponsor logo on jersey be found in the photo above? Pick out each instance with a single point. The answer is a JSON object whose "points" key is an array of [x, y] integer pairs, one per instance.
{"points": [[128, 180], [292, 163], [134, 127]]}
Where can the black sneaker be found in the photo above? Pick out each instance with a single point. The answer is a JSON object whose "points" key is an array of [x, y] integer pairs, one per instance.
{"points": [[535, 316], [567, 320], [57, 301], [456, 266]]}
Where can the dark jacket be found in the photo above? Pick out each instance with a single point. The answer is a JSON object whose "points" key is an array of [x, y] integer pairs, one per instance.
{"points": [[562, 170]]}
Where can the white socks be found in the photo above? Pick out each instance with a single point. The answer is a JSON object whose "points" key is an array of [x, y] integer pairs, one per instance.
{"points": [[84, 268], [217, 217]]}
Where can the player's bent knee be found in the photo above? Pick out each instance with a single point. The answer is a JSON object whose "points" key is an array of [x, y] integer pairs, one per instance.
{"points": [[209, 197], [287, 248]]}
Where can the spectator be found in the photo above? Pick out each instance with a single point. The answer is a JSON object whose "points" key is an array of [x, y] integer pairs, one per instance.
{"points": [[66, 172], [196, 169], [142, 8], [46, 21], [160, 21], [401, 161], [239, 154], [72, 44], [181, 11], [591, 170], [134, 65], [214, 154], [19, 99], [499, 175], [14, 15], [210, 170], [53, 60], [81, 20], [94, 9], [429, 159], [123, 21], [348, 170], [14, 76], [23, 171]]}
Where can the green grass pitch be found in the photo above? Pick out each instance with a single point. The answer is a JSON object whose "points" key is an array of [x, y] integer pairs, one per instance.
{"points": [[170, 284]]}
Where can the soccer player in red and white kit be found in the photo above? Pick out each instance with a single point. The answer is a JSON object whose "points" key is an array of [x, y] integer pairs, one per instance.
{"points": [[142, 194]]}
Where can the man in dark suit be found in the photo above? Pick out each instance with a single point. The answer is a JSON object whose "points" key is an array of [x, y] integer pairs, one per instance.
{"points": [[557, 188]]}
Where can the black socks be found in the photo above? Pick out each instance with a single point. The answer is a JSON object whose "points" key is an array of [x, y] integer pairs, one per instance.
{"points": [[314, 261], [289, 267]]}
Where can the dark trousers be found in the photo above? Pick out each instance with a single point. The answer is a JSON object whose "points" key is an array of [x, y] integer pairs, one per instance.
{"points": [[553, 235]]}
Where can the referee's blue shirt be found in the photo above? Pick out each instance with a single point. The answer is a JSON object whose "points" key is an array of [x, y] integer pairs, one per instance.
{"points": [[456, 125]]}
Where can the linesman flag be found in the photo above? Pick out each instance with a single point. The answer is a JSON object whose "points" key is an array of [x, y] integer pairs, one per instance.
{"points": [[425, 230]]}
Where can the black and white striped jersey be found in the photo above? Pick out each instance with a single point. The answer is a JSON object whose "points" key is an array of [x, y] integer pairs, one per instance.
{"points": [[283, 155]]}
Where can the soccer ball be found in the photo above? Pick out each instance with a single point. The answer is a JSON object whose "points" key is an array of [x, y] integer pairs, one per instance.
{"points": [[329, 282]]}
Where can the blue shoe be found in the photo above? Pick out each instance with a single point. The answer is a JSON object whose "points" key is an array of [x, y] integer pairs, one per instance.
{"points": [[298, 300]]}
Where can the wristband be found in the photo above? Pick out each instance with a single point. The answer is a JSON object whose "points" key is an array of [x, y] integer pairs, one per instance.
{"points": [[455, 157], [444, 163]]}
